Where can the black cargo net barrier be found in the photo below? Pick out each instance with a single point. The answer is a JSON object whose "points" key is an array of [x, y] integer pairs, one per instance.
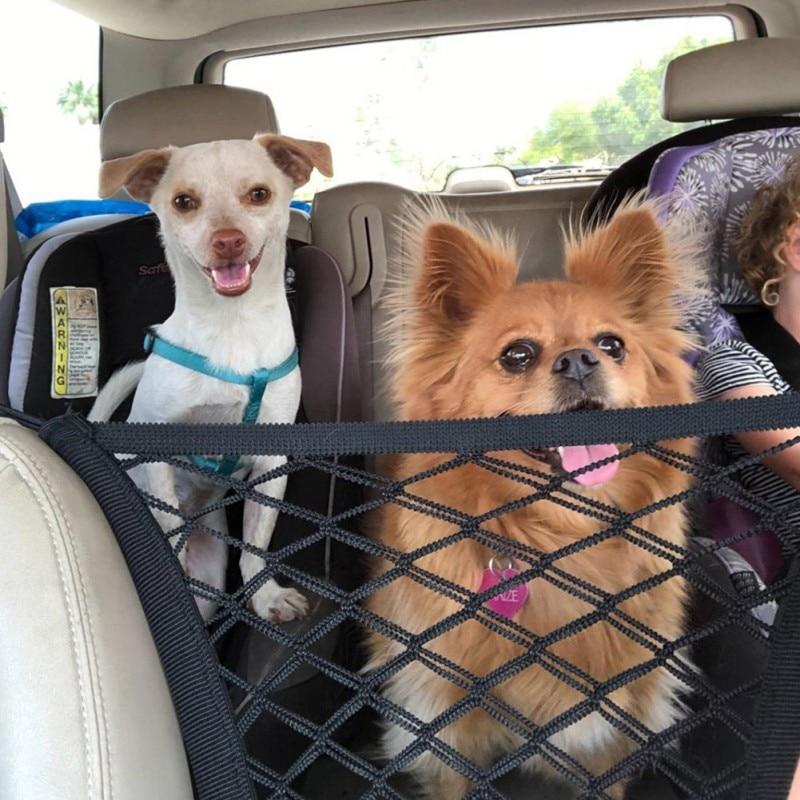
{"points": [[633, 651]]}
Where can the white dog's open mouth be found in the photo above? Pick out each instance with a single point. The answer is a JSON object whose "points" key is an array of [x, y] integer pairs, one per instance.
{"points": [[235, 278]]}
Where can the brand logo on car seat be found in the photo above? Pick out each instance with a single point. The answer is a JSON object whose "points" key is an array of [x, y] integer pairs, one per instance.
{"points": [[153, 269]]}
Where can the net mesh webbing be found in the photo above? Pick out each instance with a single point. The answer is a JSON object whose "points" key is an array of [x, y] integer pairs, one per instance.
{"points": [[320, 701]]}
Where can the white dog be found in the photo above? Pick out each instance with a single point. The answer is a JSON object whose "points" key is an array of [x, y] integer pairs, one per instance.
{"points": [[223, 209]]}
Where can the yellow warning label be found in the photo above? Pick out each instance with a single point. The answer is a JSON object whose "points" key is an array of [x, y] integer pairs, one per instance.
{"points": [[76, 341], [60, 342]]}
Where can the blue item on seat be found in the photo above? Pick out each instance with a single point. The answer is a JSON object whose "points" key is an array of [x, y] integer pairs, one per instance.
{"points": [[38, 217], [301, 205]]}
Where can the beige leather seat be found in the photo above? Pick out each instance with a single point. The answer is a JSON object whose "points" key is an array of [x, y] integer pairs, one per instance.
{"points": [[86, 713], [357, 224], [183, 115]]}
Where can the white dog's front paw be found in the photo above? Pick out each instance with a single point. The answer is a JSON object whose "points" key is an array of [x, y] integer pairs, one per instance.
{"points": [[278, 604]]}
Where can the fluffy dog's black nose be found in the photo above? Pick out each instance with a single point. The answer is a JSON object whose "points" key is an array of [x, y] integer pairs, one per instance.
{"points": [[575, 365]]}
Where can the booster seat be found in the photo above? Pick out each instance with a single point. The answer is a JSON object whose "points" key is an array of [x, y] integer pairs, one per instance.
{"points": [[708, 189]]}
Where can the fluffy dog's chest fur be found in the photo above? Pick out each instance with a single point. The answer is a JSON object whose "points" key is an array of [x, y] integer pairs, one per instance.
{"points": [[578, 642]]}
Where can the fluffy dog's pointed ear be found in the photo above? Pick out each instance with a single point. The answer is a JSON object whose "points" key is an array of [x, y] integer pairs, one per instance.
{"points": [[297, 157], [139, 173], [460, 271], [629, 257]]}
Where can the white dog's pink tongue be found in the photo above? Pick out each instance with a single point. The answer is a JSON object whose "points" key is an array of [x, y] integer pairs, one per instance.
{"points": [[578, 457], [231, 276]]}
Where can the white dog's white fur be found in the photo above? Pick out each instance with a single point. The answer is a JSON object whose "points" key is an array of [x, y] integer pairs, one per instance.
{"points": [[231, 307]]}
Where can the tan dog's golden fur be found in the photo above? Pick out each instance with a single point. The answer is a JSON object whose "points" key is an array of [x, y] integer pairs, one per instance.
{"points": [[463, 309]]}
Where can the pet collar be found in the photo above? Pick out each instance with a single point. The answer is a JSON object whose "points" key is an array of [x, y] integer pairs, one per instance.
{"points": [[256, 380]]}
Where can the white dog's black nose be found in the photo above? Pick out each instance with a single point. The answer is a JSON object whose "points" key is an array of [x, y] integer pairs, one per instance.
{"points": [[575, 365]]}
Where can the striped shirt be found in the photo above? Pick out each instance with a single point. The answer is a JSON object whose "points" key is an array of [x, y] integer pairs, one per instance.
{"points": [[730, 365]]}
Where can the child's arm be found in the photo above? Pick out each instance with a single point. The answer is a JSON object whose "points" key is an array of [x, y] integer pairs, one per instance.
{"points": [[787, 462], [794, 792]]}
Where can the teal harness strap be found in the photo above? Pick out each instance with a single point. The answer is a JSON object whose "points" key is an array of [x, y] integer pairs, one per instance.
{"points": [[256, 380]]}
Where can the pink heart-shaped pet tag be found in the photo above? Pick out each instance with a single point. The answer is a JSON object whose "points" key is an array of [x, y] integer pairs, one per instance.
{"points": [[512, 599]]}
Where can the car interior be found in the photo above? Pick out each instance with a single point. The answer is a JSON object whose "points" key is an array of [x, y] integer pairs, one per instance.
{"points": [[533, 118]]}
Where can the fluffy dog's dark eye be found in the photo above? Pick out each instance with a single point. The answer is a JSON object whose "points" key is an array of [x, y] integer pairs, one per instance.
{"points": [[185, 202], [258, 195], [519, 356], [612, 346]]}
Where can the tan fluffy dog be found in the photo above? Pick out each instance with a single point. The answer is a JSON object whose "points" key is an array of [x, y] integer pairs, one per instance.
{"points": [[476, 344]]}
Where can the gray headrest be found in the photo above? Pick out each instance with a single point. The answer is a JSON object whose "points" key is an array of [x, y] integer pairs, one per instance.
{"points": [[748, 78], [183, 115], [2, 127]]}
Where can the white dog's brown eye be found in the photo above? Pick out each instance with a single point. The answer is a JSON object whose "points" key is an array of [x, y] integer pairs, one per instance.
{"points": [[258, 195], [185, 202], [612, 346], [519, 356]]}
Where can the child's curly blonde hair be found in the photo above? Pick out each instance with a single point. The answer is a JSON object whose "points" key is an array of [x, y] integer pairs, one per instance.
{"points": [[763, 233]]}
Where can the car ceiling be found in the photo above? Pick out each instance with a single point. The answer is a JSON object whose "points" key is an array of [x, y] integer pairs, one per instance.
{"points": [[182, 19], [185, 19]]}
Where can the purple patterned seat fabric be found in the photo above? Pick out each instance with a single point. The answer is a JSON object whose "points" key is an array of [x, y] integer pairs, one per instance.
{"points": [[708, 190]]}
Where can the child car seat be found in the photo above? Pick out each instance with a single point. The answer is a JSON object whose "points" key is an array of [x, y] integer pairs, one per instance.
{"points": [[708, 189], [121, 270], [115, 284], [708, 177]]}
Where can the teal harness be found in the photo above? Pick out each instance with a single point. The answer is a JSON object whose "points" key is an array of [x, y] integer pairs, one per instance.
{"points": [[256, 380]]}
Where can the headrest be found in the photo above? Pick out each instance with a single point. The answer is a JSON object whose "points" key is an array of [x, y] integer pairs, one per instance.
{"points": [[472, 180], [183, 115], [748, 78], [2, 127]]}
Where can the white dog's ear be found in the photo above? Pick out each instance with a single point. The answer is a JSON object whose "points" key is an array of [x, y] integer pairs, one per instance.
{"points": [[297, 157], [139, 173]]}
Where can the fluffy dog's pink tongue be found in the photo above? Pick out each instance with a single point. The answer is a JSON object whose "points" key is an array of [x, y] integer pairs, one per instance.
{"points": [[578, 457], [231, 276]]}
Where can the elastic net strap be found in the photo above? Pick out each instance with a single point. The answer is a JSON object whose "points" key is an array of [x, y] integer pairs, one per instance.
{"points": [[634, 425]]}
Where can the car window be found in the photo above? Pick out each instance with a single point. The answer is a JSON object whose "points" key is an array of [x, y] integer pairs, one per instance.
{"points": [[549, 102], [48, 92]]}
